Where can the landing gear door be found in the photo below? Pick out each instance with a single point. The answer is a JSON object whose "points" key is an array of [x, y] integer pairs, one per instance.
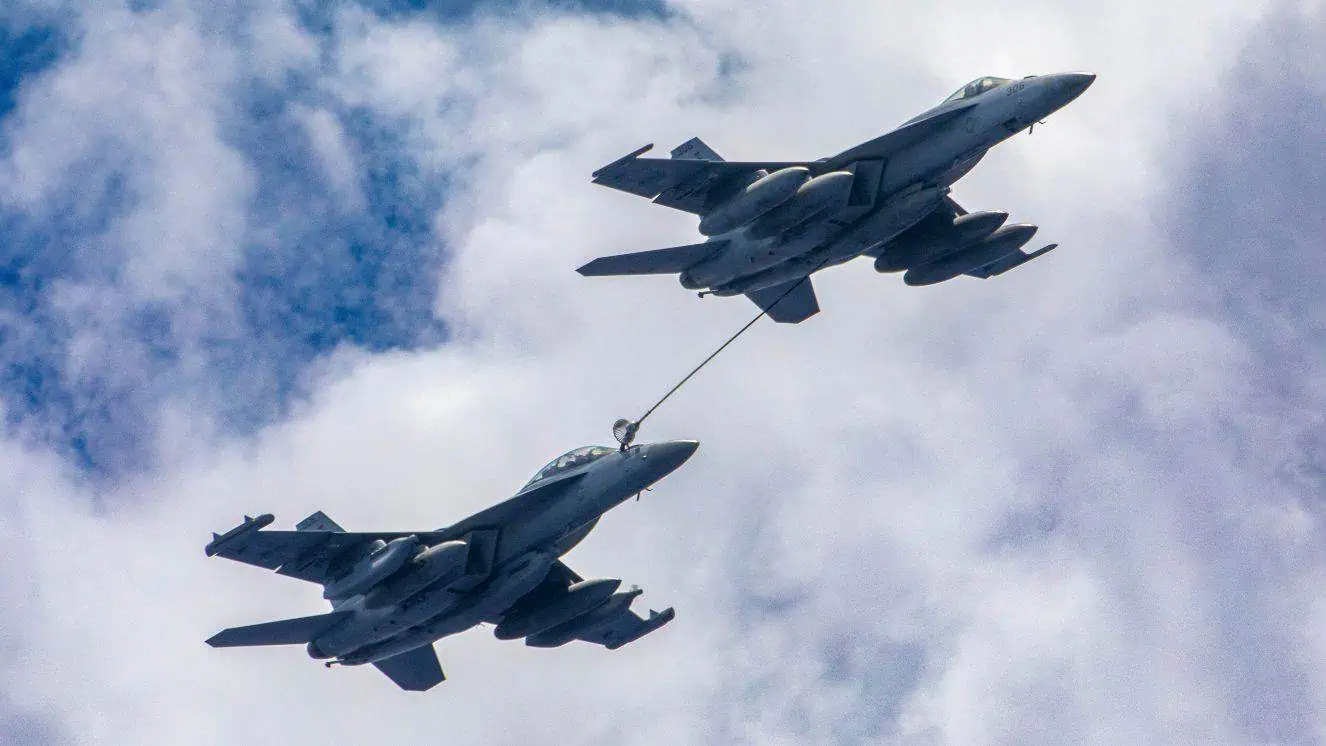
{"points": [[865, 182]]}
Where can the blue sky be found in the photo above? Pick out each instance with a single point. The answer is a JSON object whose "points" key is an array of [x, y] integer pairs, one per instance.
{"points": [[314, 273], [294, 256]]}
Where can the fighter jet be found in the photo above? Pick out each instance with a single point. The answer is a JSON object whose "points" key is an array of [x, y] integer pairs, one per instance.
{"points": [[393, 594], [771, 224]]}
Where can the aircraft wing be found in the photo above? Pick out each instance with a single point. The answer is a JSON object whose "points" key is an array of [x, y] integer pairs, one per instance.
{"points": [[306, 555], [626, 627], [1005, 263], [414, 670], [317, 550], [680, 183], [788, 303]]}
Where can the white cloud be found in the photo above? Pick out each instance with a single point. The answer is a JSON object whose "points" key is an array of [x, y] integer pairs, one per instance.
{"points": [[997, 512]]}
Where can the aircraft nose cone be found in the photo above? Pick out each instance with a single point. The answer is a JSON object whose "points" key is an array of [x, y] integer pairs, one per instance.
{"points": [[1073, 84], [665, 457]]}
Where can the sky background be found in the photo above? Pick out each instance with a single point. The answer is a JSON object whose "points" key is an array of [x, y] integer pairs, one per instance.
{"points": [[299, 255]]}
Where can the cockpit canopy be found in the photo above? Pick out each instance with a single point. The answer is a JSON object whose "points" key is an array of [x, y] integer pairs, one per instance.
{"points": [[977, 87], [570, 460]]}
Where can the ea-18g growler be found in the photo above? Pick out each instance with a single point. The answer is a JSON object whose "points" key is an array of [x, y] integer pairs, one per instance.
{"points": [[771, 224], [394, 593]]}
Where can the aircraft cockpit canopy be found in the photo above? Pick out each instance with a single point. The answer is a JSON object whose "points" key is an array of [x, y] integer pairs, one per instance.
{"points": [[571, 460], [977, 87]]}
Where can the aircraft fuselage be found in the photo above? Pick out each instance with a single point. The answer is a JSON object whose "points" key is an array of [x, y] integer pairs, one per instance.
{"points": [[529, 541], [892, 193]]}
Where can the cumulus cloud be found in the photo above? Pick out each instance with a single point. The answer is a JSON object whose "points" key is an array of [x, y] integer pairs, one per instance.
{"points": [[1053, 507]]}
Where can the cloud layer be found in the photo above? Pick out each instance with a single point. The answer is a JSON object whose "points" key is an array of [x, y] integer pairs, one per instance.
{"points": [[324, 261]]}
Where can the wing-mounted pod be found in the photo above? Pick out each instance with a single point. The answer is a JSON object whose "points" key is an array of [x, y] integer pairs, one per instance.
{"points": [[936, 236], [238, 533], [763, 192], [611, 625], [444, 562], [380, 562], [988, 252], [578, 599]]}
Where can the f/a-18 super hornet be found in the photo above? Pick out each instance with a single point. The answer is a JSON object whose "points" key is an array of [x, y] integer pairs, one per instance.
{"points": [[771, 224], [394, 593]]}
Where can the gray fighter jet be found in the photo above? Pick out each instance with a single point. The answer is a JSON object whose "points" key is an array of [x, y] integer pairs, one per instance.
{"points": [[393, 594], [772, 224]]}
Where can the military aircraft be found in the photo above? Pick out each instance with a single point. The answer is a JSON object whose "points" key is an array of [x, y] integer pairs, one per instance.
{"points": [[393, 594], [771, 224]]}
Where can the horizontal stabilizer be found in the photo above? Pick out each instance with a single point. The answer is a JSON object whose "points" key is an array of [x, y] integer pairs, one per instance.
{"points": [[792, 302], [283, 632], [669, 261], [414, 670]]}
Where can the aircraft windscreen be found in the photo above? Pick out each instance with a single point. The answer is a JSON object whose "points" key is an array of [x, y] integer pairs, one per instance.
{"points": [[571, 460], [976, 88]]}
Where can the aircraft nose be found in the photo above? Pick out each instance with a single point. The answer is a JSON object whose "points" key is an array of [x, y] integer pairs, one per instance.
{"points": [[1073, 84], [665, 457]]}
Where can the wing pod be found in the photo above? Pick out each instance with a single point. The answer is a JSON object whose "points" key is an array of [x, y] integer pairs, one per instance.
{"points": [[1001, 243], [821, 194], [932, 239], [383, 560], [762, 195], [445, 561], [249, 526], [585, 624], [580, 598], [611, 625]]}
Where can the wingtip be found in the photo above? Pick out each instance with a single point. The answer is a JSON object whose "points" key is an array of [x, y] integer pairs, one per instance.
{"points": [[628, 157]]}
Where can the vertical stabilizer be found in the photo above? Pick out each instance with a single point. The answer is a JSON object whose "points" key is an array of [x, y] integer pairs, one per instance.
{"points": [[319, 522], [694, 149]]}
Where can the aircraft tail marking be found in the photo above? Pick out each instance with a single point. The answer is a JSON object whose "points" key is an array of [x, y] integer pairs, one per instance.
{"points": [[319, 521], [669, 261], [281, 632], [695, 149]]}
